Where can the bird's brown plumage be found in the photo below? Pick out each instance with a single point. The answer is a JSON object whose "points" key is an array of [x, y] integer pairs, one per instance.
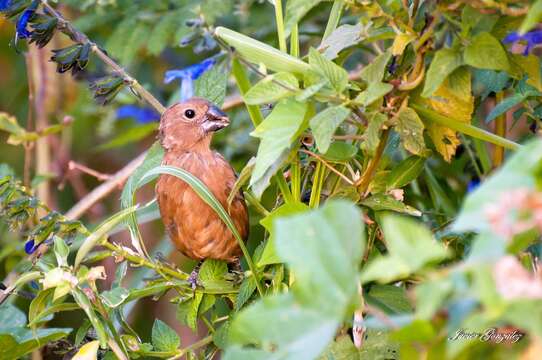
{"points": [[192, 225]]}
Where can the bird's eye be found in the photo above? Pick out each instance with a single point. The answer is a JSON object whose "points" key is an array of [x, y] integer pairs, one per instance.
{"points": [[189, 113]]}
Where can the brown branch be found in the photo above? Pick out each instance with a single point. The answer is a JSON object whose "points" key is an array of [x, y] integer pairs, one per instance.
{"points": [[72, 165]]}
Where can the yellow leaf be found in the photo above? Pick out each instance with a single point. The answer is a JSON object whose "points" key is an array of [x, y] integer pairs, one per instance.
{"points": [[400, 43], [453, 99], [89, 351]]}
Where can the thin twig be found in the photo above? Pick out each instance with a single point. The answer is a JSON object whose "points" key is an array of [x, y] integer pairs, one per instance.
{"points": [[72, 165], [319, 158]]}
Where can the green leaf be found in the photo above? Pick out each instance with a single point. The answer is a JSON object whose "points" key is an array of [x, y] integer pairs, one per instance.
{"points": [[442, 65], [164, 338], [406, 171], [323, 249], [61, 250], [379, 202], [43, 316], [247, 288], [374, 72], [372, 133], [269, 254], [467, 129], [297, 333], [519, 172], [337, 76], [11, 316], [340, 151], [410, 247], [325, 123], [410, 128], [486, 52], [162, 33], [373, 92], [117, 41], [295, 10], [17, 342], [505, 105], [212, 85], [133, 134], [271, 89], [115, 297], [212, 269], [533, 17], [99, 234], [9, 124], [260, 53], [389, 298], [277, 132], [134, 42], [341, 38]]}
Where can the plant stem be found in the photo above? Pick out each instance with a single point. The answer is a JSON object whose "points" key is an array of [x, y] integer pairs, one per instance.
{"points": [[280, 25], [294, 41], [200, 343], [317, 183], [334, 17], [244, 84], [369, 172], [82, 38], [284, 189], [500, 130]]}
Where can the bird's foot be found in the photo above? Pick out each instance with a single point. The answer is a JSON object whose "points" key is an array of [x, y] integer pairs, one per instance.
{"points": [[237, 271]]}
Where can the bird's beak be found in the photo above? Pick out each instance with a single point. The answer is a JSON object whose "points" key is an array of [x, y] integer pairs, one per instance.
{"points": [[215, 119]]}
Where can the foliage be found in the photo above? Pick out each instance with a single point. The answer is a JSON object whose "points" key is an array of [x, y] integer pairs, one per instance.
{"points": [[384, 222]]}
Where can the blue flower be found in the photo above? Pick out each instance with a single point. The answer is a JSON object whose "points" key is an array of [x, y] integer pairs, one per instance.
{"points": [[188, 75], [532, 38], [141, 115], [4, 4], [472, 185], [23, 20], [30, 247]]}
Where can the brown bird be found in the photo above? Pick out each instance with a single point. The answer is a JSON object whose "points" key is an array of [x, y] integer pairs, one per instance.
{"points": [[185, 132]]}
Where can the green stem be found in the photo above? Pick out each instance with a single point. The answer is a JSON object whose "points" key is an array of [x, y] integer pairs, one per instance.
{"points": [[294, 41], [334, 17], [254, 202], [280, 25], [283, 186], [464, 128], [244, 85], [317, 183], [295, 173]]}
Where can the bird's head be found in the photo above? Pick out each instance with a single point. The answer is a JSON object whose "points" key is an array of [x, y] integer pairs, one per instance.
{"points": [[190, 124]]}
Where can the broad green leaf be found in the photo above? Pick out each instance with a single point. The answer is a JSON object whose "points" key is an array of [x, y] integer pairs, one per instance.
{"points": [[277, 132], [374, 72], [373, 92], [529, 65], [43, 316], [133, 134], [115, 296], [297, 332], [377, 345], [389, 298], [17, 342], [486, 52], [505, 105], [337, 76], [61, 250], [89, 351], [410, 247], [410, 128], [11, 316], [260, 53], [406, 171], [212, 269], [341, 38], [379, 202], [400, 42], [519, 172], [325, 123], [212, 84], [247, 288], [101, 231], [487, 81], [269, 254], [372, 133], [295, 10], [9, 124], [533, 17], [163, 32], [271, 88], [323, 249], [164, 338], [442, 65], [340, 151], [430, 295]]}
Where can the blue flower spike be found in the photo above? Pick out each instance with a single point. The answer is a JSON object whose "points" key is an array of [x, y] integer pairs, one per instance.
{"points": [[30, 247], [188, 75], [22, 22], [141, 115], [531, 39], [4, 4]]}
